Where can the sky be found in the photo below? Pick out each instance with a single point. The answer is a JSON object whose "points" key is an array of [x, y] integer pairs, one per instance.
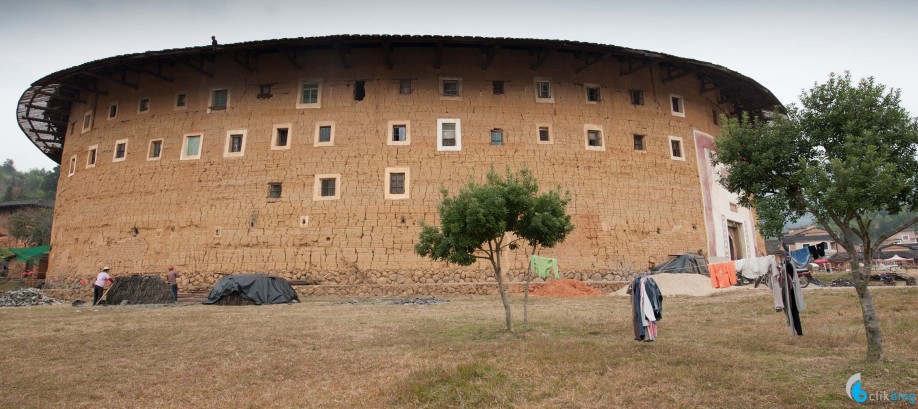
{"points": [[787, 46]]}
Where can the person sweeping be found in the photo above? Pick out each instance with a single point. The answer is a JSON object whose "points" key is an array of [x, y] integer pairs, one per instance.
{"points": [[99, 286], [171, 279]]}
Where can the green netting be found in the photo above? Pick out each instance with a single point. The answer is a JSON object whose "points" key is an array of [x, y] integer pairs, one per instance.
{"points": [[30, 253]]}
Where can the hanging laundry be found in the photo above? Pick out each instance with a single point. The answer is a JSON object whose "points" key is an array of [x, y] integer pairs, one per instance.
{"points": [[792, 298], [646, 307], [800, 258], [754, 267], [722, 274], [542, 265]]}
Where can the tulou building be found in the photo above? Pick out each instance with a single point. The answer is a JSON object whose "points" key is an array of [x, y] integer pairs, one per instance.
{"points": [[316, 158]]}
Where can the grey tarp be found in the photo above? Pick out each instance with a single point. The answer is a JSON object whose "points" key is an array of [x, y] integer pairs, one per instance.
{"points": [[683, 263], [260, 288]]}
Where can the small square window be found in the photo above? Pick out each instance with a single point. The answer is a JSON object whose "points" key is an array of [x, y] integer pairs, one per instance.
{"points": [[113, 110], [143, 105], [498, 87], [404, 87], [449, 134], [325, 133], [397, 183], [544, 134], [264, 91], [219, 99], [120, 150], [327, 187], [399, 133], [87, 121], [593, 93], [497, 137], [637, 97], [156, 149], [310, 93], [181, 101], [638, 142], [274, 190], [235, 143], [449, 87], [360, 90], [91, 154], [676, 149], [543, 90], [594, 138], [191, 147], [677, 105], [280, 136]]}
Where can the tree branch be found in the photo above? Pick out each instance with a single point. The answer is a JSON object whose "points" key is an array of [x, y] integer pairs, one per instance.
{"points": [[906, 224]]}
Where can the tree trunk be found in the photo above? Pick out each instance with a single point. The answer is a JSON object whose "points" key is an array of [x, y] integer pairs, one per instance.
{"points": [[500, 288], [861, 277], [526, 291]]}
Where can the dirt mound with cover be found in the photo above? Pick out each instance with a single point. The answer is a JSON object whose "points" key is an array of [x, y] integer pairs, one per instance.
{"points": [[565, 288]]}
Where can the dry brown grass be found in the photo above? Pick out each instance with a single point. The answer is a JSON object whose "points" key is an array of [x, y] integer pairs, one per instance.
{"points": [[724, 351]]}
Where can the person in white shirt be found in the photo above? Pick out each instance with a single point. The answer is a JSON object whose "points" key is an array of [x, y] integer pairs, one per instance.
{"points": [[99, 286]]}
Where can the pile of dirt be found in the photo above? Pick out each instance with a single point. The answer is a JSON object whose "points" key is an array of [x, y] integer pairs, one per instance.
{"points": [[695, 285], [565, 288], [139, 289], [26, 297]]}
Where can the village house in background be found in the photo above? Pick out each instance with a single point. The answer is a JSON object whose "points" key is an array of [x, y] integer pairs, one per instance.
{"points": [[317, 158], [900, 249], [8, 208]]}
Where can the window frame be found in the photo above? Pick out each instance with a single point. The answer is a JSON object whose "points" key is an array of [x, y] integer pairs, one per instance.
{"points": [[503, 137], [390, 132], [210, 101], [299, 93], [280, 190], [175, 105], [73, 160], [228, 144], [93, 153], [184, 153], [681, 148], [458, 131], [440, 90], [115, 157], [638, 92], [140, 109], [550, 99], [387, 183], [109, 115], [317, 187], [86, 125], [498, 87], [275, 134], [150, 149], [401, 86], [681, 100], [551, 139], [331, 138], [587, 128], [643, 139], [587, 87]]}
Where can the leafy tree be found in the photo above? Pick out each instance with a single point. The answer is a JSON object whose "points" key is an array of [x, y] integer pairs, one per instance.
{"points": [[847, 152], [484, 220], [31, 226], [8, 196], [8, 166]]}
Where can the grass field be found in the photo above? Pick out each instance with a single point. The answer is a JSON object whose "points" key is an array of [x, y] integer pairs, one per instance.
{"points": [[725, 351]]}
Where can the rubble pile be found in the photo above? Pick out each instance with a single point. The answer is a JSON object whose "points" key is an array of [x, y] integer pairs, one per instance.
{"points": [[419, 301], [25, 297], [139, 289]]}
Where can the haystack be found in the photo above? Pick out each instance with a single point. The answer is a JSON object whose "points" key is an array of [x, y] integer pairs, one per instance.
{"points": [[140, 289]]}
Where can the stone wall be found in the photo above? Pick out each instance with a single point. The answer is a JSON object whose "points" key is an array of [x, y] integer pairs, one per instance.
{"points": [[212, 216]]}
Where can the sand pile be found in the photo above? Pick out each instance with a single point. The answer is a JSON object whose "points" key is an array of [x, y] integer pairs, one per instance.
{"points": [[565, 287], [684, 284]]}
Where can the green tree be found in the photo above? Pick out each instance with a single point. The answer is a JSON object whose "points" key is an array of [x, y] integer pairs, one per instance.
{"points": [[31, 226], [8, 196], [484, 220], [847, 152]]}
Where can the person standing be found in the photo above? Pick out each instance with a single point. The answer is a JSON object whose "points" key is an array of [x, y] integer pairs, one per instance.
{"points": [[171, 279], [99, 286]]}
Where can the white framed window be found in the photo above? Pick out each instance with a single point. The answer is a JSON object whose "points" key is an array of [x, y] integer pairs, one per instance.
{"points": [[594, 140], [92, 156], [905, 237], [155, 149], [219, 99], [181, 101], [544, 134], [120, 150], [192, 146], [543, 90], [677, 104], [676, 148], [309, 94], [280, 136], [497, 137], [72, 166], [451, 88], [398, 132], [87, 121], [449, 134], [112, 110], [235, 143], [397, 183], [325, 133], [327, 187], [640, 142], [593, 93], [143, 105]]}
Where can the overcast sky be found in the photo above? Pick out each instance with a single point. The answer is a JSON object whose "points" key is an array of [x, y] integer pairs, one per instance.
{"points": [[784, 45]]}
